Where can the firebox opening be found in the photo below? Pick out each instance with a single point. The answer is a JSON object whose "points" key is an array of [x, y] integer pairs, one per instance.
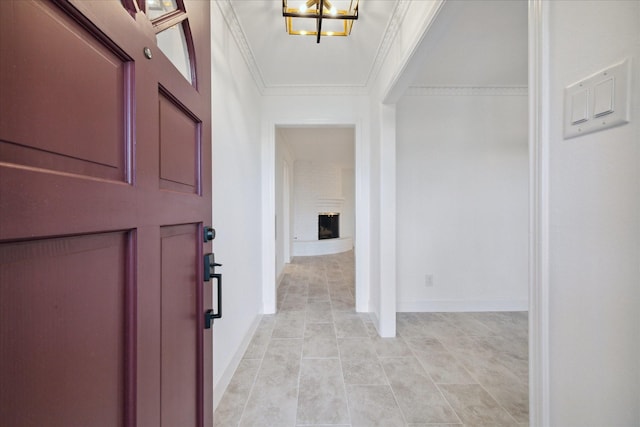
{"points": [[328, 225]]}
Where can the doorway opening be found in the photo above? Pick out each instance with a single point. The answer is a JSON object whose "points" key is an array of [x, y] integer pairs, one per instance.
{"points": [[314, 194]]}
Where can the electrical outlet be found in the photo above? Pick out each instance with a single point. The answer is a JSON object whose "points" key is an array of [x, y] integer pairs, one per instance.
{"points": [[428, 280]]}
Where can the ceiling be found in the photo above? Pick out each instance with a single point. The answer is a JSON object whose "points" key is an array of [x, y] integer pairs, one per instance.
{"points": [[285, 60], [478, 44], [471, 43]]}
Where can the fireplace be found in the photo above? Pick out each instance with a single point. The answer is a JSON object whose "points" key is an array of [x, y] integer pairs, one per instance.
{"points": [[328, 225]]}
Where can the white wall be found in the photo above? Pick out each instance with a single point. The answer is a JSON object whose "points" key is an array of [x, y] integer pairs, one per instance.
{"points": [[462, 202], [317, 188], [236, 200], [594, 277], [347, 222], [284, 160]]}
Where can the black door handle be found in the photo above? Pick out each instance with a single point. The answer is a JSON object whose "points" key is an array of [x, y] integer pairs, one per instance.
{"points": [[210, 265], [209, 315], [209, 272]]}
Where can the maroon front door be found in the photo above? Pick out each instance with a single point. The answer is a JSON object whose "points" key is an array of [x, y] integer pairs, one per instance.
{"points": [[105, 187]]}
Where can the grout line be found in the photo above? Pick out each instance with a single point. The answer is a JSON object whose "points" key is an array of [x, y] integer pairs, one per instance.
{"points": [[393, 393], [255, 379], [344, 384]]}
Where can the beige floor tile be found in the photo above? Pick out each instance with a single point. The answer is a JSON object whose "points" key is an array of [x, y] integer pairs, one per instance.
{"points": [[258, 344], [475, 406], [417, 395], [514, 398], [235, 398], [363, 372], [373, 406], [359, 348], [289, 324], [349, 325], [320, 341], [273, 398], [444, 368], [322, 398], [391, 347]]}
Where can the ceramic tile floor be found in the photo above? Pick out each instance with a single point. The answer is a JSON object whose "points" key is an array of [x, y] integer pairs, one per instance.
{"points": [[319, 363]]}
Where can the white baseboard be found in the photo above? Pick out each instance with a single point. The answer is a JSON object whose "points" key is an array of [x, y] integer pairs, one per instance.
{"points": [[225, 379], [462, 305]]}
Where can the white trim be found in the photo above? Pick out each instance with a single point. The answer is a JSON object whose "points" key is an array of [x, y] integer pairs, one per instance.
{"points": [[401, 78], [230, 17], [362, 241], [467, 91], [387, 226], [315, 90], [225, 379], [268, 218], [286, 213], [395, 22], [428, 306], [539, 103]]}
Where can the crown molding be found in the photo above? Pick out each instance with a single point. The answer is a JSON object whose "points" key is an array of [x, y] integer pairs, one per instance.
{"points": [[230, 17], [467, 91], [316, 90], [388, 37]]}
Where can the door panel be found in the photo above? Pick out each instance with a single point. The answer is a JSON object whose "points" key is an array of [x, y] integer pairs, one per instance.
{"points": [[179, 147], [179, 313], [48, 84], [101, 151], [61, 323]]}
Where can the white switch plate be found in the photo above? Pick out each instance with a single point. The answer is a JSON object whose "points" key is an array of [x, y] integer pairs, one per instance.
{"points": [[607, 101], [580, 107], [604, 95]]}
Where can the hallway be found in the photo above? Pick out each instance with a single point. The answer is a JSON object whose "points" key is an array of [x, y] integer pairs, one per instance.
{"points": [[317, 362]]}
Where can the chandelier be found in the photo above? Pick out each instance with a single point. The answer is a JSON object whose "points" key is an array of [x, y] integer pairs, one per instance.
{"points": [[329, 19]]}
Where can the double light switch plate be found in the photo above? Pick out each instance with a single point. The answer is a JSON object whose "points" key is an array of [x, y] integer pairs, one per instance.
{"points": [[597, 102]]}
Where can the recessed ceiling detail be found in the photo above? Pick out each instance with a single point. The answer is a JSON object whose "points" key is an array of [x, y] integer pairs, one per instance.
{"points": [[470, 44], [285, 65]]}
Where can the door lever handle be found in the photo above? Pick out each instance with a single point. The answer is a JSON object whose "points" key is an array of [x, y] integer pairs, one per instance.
{"points": [[210, 265]]}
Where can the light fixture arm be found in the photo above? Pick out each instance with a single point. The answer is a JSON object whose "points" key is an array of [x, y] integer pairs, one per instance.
{"points": [[319, 21]]}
